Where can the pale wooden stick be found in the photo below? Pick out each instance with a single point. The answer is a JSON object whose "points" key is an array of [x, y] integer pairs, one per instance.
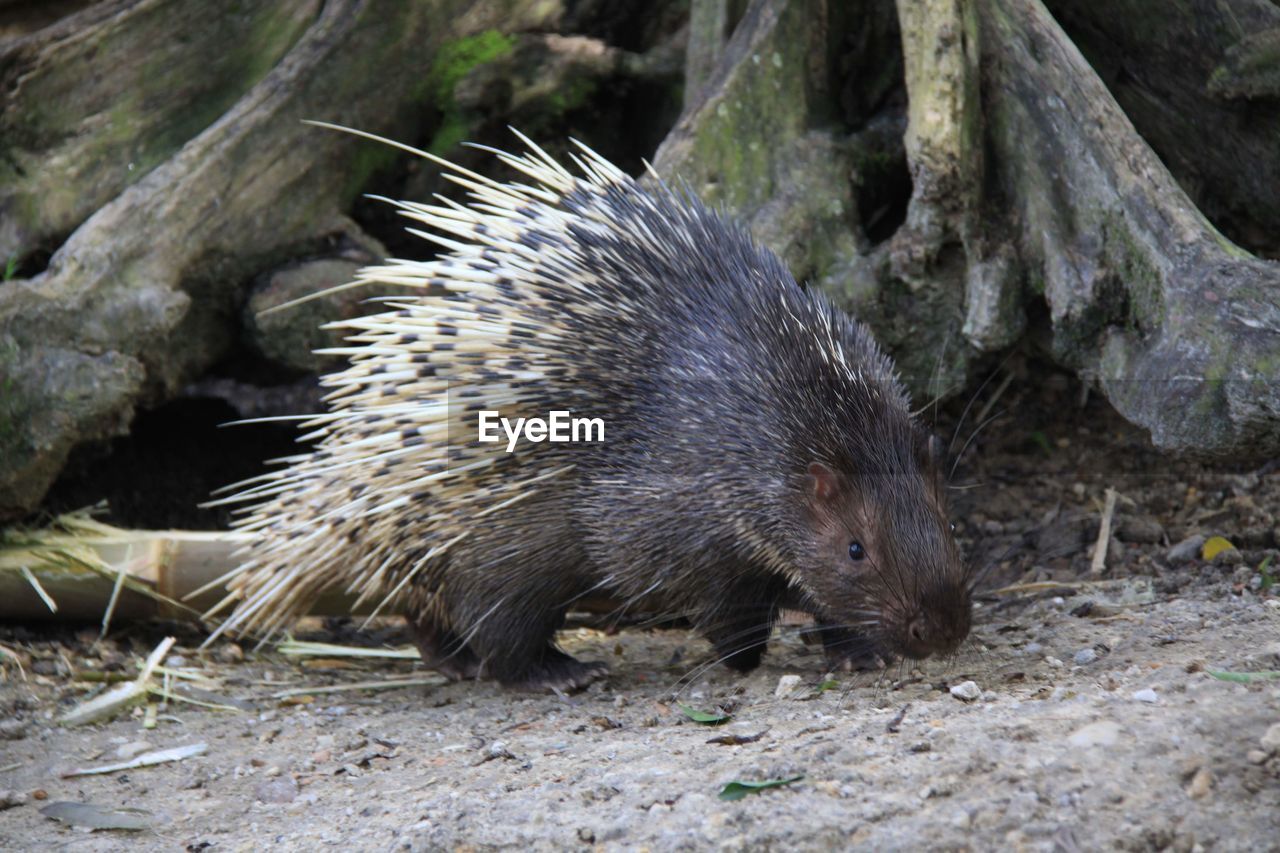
{"points": [[1104, 534]]}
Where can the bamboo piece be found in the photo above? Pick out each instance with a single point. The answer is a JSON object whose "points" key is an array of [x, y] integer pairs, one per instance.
{"points": [[79, 562], [94, 572]]}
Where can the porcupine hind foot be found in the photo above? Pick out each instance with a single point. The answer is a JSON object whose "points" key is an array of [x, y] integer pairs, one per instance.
{"points": [[553, 670], [443, 651], [548, 668]]}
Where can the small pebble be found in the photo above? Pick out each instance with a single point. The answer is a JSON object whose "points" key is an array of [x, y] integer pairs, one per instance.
{"points": [[279, 789], [1270, 740], [46, 667], [966, 691], [1201, 784], [133, 749], [1101, 733], [11, 799], [1145, 695], [1256, 756], [1187, 549], [13, 729], [498, 749], [1140, 529], [788, 686], [1084, 657]]}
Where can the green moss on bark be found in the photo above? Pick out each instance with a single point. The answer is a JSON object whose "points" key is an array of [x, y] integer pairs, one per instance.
{"points": [[1140, 278], [455, 60]]}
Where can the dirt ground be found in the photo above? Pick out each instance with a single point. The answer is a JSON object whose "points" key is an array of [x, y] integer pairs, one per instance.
{"points": [[1126, 709]]}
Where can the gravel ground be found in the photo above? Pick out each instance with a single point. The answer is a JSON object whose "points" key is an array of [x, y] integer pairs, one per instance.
{"points": [[1087, 712]]}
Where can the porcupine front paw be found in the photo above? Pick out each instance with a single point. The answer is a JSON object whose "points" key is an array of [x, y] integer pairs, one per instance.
{"points": [[847, 651], [740, 626], [741, 651], [555, 671]]}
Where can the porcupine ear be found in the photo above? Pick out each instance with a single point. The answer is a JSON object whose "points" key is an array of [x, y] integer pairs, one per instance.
{"points": [[935, 448], [824, 484], [932, 456]]}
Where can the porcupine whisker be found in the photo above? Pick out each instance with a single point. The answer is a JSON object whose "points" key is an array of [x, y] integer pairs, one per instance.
{"points": [[935, 380], [971, 644], [872, 621], [976, 577], [973, 398], [972, 436], [892, 580]]}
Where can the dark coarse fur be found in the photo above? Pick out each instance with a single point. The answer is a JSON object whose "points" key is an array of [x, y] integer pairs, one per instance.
{"points": [[753, 432]]}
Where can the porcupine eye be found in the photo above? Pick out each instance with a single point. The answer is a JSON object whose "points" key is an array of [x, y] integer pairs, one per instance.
{"points": [[856, 551]]}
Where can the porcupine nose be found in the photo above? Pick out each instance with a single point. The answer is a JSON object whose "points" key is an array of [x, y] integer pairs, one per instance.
{"points": [[918, 643], [925, 637]]}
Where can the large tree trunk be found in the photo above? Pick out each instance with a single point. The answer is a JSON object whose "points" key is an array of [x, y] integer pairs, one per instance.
{"points": [[1179, 326], [965, 175], [186, 172], [1030, 186]]}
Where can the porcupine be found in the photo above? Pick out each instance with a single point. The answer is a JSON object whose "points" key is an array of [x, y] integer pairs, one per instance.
{"points": [[760, 450]]}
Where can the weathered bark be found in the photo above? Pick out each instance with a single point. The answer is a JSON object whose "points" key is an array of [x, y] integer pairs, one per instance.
{"points": [[145, 293], [749, 142], [944, 143], [1029, 183], [97, 100], [788, 138], [711, 22], [1178, 326], [1191, 78]]}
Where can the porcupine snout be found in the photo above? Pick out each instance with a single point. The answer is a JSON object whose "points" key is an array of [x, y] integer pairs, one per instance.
{"points": [[940, 623]]}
